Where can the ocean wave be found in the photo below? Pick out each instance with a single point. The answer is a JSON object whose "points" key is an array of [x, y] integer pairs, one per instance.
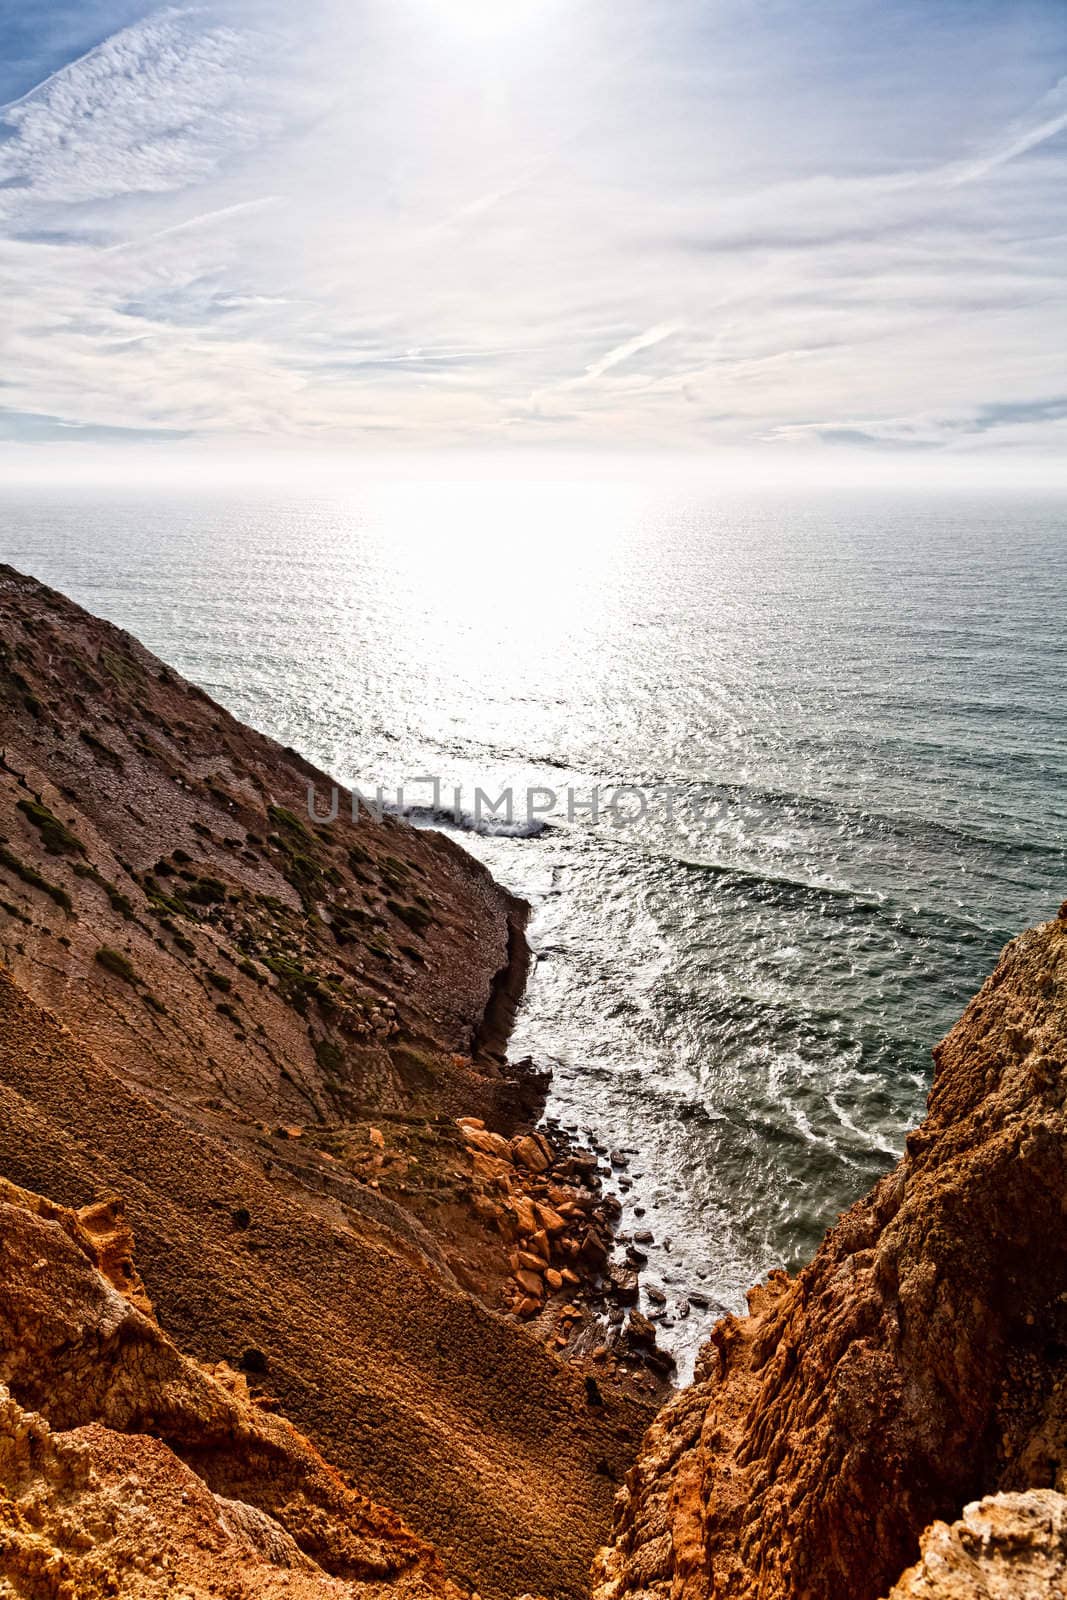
{"points": [[489, 827], [830, 812]]}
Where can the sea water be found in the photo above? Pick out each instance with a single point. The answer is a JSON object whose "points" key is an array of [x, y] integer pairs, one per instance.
{"points": [[840, 721]]}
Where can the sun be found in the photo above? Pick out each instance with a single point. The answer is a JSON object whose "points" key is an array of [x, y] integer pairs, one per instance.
{"points": [[490, 18]]}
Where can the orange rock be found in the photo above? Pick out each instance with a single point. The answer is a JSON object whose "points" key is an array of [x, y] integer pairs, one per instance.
{"points": [[493, 1144], [106, 1509], [525, 1215], [525, 1259], [550, 1220], [530, 1282], [488, 1172], [377, 1138], [554, 1279], [529, 1152]]}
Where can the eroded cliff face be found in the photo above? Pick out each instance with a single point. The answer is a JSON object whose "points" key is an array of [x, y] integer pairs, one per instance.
{"points": [[918, 1362], [278, 1042], [1005, 1547], [126, 1468], [165, 890]]}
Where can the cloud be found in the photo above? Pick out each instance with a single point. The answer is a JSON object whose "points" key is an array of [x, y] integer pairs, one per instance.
{"points": [[632, 347], [623, 225], [155, 108], [1051, 120], [31, 427], [204, 220], [930, 430]]}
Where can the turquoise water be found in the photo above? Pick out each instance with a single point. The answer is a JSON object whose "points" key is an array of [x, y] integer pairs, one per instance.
{"points": [[858, 703]]}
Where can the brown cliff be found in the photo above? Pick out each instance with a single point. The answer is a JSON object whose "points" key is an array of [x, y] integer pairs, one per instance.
{"points": [[259, 1032], [280, 1043], [918, 1362], [167, 893]]}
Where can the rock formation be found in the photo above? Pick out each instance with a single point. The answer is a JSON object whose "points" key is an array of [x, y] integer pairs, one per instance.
{"points": [[918, 1362], [127, 1469], [1005, 1547]]}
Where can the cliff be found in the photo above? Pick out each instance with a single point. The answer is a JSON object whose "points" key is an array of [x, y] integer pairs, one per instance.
{"points": [[260, 1033], [917, 1363]]}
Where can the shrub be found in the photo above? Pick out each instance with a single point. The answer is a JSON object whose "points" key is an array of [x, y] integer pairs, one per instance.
{"points": [[205, 891], [329, 1056], [55, 836], [114, 961], [35, 879], [119, 901], [416, 918], [283, 818]]}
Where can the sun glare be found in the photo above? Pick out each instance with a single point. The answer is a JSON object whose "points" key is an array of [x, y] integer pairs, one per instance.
{"points": [[491, 18]]}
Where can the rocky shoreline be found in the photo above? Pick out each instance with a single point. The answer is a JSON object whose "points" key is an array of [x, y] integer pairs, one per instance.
{"points": [[915, 1365], [543, 1193]]}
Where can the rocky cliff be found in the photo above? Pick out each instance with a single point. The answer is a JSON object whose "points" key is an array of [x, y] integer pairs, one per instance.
{"points": [[260, 1033], [1004, 1547], [917, 1363]]}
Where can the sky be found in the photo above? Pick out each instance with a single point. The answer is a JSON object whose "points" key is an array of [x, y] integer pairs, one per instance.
{"points": [[774, 229]]}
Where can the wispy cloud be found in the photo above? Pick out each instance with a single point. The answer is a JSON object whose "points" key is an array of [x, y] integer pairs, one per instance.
{"points": [[631, 347], [1047, 120], [614, 223], [31, 426], [204, 220], [931, 430], [150, 110]]}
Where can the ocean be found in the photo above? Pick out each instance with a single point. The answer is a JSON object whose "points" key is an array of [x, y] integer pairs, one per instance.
{"points": [[827, 738]]}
